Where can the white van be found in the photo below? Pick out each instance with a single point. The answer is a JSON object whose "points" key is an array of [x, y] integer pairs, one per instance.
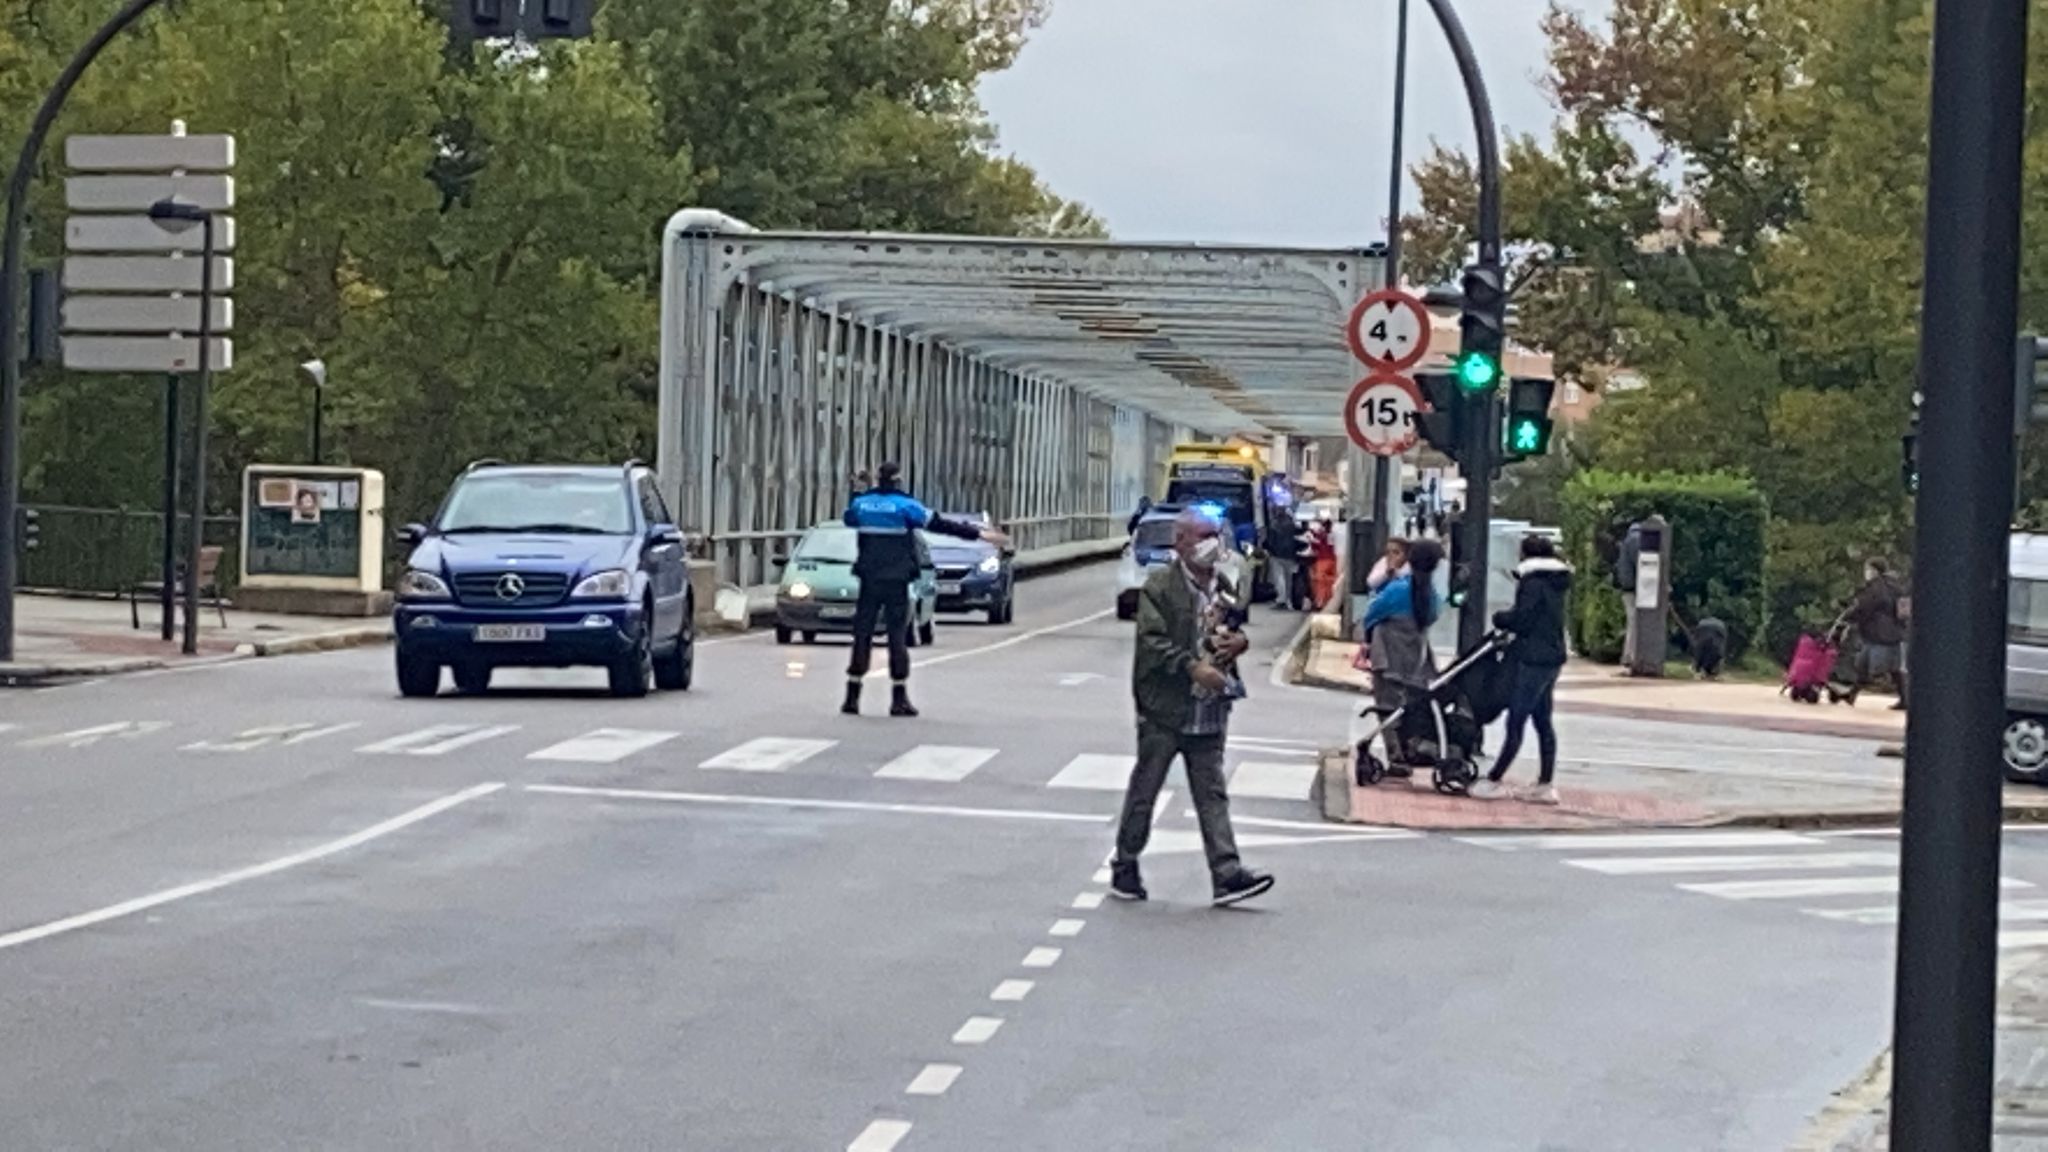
{"points": [[2026, 661]]}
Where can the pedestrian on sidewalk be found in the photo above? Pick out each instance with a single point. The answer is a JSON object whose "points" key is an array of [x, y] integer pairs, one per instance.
{"points": [[890, 557], [1396, 634], [1184, 679], [1393, 562], [1534, 661], [1878, 613], [1322, 553], [1283, 549]]}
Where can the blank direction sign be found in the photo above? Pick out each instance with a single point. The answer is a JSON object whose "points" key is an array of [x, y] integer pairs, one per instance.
{"points": [[149, 153], [143, 274], [141, 234], [143, 354], [156, 315], [214, 193]]}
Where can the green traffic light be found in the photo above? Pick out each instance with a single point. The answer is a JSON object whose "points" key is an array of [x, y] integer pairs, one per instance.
{"points": [[1477, 372]]}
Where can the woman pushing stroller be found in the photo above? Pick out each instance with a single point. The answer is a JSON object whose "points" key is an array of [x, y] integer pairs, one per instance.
{"points": [[1396, 626]]}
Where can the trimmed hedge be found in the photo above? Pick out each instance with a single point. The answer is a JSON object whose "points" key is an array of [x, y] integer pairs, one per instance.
{"points": [[1718, 525]]}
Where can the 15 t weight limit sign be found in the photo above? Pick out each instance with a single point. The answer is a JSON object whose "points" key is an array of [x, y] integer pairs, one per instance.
{"points": [[1380, 414]]}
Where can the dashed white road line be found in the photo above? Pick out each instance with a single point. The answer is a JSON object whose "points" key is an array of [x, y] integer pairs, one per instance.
{"points": [[1648, 842], [978, 1030], [438, 740], [933, 1080], [268, 868], [937, 762], [1088, 901], [1101, 876], [1776, 862], [281, 735], [1274, 779], [1042, 957], [1011, 991], [1067, 928], [880, 1136], [1095, 771], [603, 746]]}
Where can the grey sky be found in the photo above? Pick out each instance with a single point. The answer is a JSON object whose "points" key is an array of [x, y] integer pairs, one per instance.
{"points": [[1253, 121]]}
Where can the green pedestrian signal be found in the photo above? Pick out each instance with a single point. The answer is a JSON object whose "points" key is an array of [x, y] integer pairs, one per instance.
{"points": [[1478, 371], [1526, 437], [1527, 431]]}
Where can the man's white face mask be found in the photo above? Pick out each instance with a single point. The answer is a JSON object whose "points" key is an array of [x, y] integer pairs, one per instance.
{"points": [[1208, 552]]}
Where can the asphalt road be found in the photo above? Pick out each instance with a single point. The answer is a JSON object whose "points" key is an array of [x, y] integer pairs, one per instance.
{"points": [[269, 904]]}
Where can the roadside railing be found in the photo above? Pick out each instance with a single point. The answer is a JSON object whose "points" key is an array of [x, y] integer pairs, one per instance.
{"points": [[747, 559], [109, 550]]}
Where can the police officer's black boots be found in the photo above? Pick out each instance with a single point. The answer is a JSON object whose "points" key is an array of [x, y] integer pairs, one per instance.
{"points": [[852, 705], [899, 701]]}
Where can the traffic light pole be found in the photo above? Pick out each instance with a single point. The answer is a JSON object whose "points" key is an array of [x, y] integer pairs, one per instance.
{"points": [[1482, 442], [1945, 997], [11, 243]]}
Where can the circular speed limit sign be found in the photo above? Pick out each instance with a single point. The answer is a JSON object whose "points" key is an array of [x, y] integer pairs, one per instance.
{"points": [[1380, 414], [1389, 330]]}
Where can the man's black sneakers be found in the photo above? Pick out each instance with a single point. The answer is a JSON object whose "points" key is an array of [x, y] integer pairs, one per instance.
{"points": [[1123, 881], [1241, 885]]}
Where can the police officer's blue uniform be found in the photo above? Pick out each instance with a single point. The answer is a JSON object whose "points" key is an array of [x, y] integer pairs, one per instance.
{"points": [[891, 555]]}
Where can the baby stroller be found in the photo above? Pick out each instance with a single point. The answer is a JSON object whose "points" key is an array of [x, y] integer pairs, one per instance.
{"points": [[1813, 663], [1442, 725]]}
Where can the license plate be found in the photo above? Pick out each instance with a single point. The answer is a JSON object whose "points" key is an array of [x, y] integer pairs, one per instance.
{"points": [[949, 587], [514, 633], [836, 613]]}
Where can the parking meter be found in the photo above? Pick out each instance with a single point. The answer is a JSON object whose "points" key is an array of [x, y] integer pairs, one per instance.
{"points": [[1648, 597]]}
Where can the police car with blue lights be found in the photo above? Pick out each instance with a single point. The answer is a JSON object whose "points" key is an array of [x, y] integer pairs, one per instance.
{"points": [[1151, 548]]}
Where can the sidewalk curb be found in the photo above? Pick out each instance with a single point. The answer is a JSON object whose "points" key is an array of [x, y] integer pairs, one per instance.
{"points": [[359, 637], [1854, 1117], [24, 675]]}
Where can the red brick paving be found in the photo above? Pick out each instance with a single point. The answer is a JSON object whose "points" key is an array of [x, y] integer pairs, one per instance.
{"points": [[1414, 804]]}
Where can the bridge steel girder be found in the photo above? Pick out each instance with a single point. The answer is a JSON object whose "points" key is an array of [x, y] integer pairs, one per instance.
{"points": [[1043, 382]]}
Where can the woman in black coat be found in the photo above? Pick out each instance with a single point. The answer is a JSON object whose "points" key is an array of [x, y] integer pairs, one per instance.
{"points": [[1542, 582]]}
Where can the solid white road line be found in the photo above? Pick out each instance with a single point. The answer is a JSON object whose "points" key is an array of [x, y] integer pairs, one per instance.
{"points": [[933, 1080], [438, 740], [937, 762], [1650, 842], [1042, 957], [1802, 889], [1274, 780], [1088, 901], [268, 868], [1012, 990], [823, 805], [1095, 771], [1777, 862], [1011, 642], [603, 746], [880, 1136], [978, 1030], [767, 754]]}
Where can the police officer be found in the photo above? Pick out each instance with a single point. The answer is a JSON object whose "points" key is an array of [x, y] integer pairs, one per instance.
{"points": [[890, 558]]}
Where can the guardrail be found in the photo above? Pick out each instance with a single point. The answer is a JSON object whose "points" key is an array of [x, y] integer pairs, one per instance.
{"points": [[111, 549]]}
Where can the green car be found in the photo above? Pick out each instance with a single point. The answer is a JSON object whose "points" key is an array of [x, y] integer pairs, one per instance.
{"points": [[819, 588]]}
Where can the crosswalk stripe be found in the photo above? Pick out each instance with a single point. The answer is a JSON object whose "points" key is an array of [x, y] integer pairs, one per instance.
{"points": [[438, 740], [86, 737], [269, 735], [603, 745], [2010, 911], [2032, 938], [767, 754], [1095, 771], [1650, 842], [1273, 780], [936, 762], [1777, 862], [1801, 889]]}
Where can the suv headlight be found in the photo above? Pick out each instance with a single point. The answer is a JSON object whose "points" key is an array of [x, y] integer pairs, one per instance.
{"points": [[799, 591], [611, 585], [991, 564], [418, 585]]}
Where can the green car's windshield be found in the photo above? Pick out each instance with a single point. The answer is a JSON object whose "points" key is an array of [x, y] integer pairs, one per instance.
{"points": [[829, 546], [538, 502]]}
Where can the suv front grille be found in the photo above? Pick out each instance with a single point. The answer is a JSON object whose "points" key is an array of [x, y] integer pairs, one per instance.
{"points": [[538, 589], [954, 573]]}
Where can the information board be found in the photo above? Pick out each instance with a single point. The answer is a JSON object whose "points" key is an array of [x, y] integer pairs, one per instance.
{"points": [[309, 525]]}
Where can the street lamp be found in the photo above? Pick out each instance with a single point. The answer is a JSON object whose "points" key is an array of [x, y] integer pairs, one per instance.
{"points": [[175, 216], [315, 372]]}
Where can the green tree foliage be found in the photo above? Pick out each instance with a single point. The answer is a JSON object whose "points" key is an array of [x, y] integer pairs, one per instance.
{"points": [[1778, 331], [469, 240]]}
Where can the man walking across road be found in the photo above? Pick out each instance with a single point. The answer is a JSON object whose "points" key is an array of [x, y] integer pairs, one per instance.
{"points": [[1184, 678], [889, 560]]}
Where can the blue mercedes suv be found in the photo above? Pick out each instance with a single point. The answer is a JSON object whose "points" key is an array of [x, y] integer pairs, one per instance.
{"points": [[546, 567]]}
